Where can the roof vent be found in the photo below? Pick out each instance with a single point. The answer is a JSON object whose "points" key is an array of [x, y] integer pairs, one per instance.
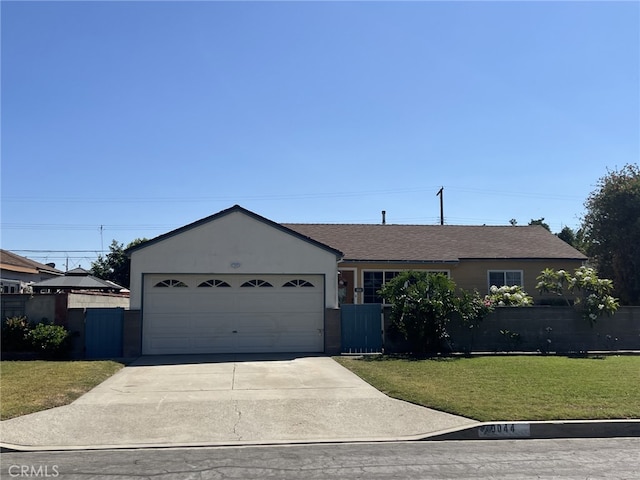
{"points": [[384, 217]]}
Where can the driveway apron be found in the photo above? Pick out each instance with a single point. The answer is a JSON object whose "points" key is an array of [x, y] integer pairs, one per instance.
{"points": [[227, 400]]}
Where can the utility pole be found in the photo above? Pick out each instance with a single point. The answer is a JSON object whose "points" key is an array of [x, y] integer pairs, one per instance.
{"points": [[440, 194]]}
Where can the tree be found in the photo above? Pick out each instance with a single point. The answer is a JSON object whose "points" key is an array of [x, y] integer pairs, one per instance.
{"points": [[575, 238], [567, 235], [116, 264], [422, 305], [540, 221], [612, 231]]}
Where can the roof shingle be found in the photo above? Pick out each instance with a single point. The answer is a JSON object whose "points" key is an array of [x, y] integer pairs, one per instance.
{"points": [[438, 243], [14, 262]]}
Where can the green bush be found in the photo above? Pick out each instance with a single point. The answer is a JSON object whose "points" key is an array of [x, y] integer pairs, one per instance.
{"points": [[15, 334], [51, 340], [422, 303]]}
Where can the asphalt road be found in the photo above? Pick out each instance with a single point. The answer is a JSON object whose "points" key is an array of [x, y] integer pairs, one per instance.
{"points": [[577, 459]]}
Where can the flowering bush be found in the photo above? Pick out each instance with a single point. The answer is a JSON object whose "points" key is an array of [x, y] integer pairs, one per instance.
{"points": [[423, 304], [592, 294], [505, 296]]}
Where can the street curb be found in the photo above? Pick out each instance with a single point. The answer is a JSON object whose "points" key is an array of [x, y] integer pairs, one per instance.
{"points": [[542, 430], [481, 431]]}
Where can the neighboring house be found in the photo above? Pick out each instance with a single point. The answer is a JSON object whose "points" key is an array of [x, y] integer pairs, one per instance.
{"points": [[51, 299], [76, 280], [17, 273], [238, 282]]}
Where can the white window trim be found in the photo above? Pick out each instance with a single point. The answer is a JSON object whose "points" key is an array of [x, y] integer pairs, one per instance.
{"points": [[489, 272], [400, 270]]}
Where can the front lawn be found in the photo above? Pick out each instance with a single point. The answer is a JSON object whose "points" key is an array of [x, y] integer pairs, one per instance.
{"points": [[511, 388], [30, 386]]}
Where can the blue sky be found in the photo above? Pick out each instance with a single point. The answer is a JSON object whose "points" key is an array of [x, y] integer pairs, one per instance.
{"points": [[129, 119]]}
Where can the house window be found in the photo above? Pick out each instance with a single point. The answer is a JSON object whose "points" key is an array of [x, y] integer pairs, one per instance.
{"points": [[298, 283], [373, 281], [256, 283], [214, 283], [172, 283], [501, 278]]}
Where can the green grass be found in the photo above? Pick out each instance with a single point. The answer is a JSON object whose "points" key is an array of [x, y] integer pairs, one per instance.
{"points": [[31, 386], [511, 388]]}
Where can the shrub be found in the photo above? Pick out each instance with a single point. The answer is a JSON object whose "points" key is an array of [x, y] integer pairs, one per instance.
{"points": [[50, 340], [592, 294], [505, 296], [422, 305], [15, 334]]}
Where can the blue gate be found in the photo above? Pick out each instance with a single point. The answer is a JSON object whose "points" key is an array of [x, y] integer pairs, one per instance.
{"points": [[361, 327], [103, 332]]}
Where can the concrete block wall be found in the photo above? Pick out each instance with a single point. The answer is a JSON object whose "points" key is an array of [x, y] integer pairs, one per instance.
{"points": [[41, 307], [539, 328], [53, 307], [92, 300]]}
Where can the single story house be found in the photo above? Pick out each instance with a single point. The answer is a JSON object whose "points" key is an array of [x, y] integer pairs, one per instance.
{"points": [[17, 273], [238, 282]]}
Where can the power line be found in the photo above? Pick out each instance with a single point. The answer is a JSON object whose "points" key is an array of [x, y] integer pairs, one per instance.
{"points": [[289, 196], [54, 251], [78, 227], [225, 198]]}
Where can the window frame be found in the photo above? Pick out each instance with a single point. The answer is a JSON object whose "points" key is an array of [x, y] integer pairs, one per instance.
{"points": [[256, 283], [504, 276], [171, 283], [298, 283], [214, 283], [384, 279]]}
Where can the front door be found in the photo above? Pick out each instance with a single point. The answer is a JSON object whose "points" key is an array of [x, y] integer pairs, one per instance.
{"points": [[346, 287]]}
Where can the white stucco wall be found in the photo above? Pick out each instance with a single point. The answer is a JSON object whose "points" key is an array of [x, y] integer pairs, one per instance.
{"points": [[234, 243]]}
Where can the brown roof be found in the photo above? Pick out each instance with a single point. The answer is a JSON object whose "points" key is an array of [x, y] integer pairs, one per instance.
{"points": [[16, 263], [438, 243]]}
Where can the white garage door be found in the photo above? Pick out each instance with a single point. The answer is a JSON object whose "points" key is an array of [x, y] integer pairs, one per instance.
{"points": [[232, 313]]}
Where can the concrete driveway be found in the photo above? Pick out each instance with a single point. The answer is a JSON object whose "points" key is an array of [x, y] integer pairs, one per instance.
{"points": [[227, 400]]}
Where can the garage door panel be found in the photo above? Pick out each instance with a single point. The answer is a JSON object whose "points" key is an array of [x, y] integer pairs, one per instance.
{"points": [[240, 319], [189, 302], [183, 345], [230, 302]]}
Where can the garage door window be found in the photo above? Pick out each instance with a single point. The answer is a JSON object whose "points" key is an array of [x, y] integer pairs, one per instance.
{"points": [[171, 283], [214, 283], [256, 283], [298, 283]]}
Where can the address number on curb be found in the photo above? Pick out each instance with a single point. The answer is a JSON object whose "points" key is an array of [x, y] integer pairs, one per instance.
{"points": [[505, 430]]}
